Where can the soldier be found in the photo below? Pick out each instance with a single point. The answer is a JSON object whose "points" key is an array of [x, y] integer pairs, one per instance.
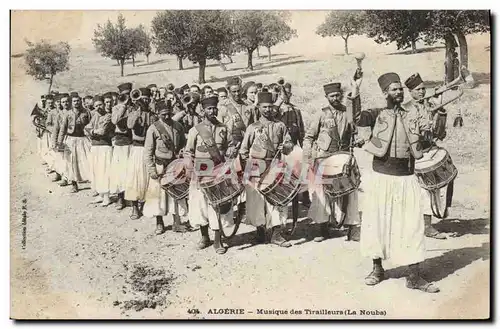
{"points": [[222, 94], [155, 96], [207, 140], [393, 226], [332, 131], [137, 172], [437, 120], [164, 140], [195, 89], [261, 141], [41, 134], [57, 119], [99, 130], [189, 117], [122, 142], [185, 89], [291, 116], [77, 145], [88, 102], [51, 112], [207, 91]]}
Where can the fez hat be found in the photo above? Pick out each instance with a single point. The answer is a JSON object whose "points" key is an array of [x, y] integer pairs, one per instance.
{"points": [[247, 85], [145, 92], [54, 92], [186, 86], [413, 81], [98, 98], [107, 95], [264, 98], [153, 85], [233, 81], [43, 96], [332, 88], [209, 102], [178, 91], [64, 95], [385, 80], [49, 96], [170, 87], [125, 87], [88, 97], [222, 90], [259, 85], [162, 107]]}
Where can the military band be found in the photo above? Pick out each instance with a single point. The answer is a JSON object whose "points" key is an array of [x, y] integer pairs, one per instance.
{"points": [[135, 144]]}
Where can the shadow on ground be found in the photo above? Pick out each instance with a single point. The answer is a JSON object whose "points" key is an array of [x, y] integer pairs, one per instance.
{"points": [[418, 51], [438, 268], [463, 226]]}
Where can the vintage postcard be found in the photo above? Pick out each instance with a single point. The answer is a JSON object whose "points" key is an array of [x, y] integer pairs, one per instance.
{"points": [[220, 164]]}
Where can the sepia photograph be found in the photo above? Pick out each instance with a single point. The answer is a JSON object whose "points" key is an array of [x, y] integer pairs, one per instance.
{"points": [[250, 164]]}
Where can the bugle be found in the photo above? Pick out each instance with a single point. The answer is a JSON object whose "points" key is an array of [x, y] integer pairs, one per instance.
{"points": [[453, 85], [135, 95]]}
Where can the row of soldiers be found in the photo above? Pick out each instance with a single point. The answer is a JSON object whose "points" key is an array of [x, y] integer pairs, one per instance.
{"points": [[133, 142]]}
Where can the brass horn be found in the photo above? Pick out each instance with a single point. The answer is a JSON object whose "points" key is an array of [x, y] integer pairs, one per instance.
{"points": [[455, 84], [135, 95], [187, 99]]}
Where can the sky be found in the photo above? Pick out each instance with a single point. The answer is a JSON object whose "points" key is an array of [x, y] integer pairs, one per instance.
{"points": [[76, 27]]}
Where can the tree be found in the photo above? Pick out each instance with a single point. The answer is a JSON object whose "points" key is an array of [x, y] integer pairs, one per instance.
{"points": [[44, 60], [114, 41], [405, 27], [248, 31], [139, 42], [343, 23], [203, 35], [276, 30], [147, 47], [448, 24], [169, 29]]}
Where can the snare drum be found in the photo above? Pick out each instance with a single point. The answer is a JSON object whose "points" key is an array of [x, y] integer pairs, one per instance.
{"points": [[435, 169], [176, 181], [279, 184], [222, 186], [295, 161], [340, 174]]}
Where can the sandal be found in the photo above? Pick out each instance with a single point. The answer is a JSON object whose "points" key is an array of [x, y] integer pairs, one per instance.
{"points": [[422, 285]]}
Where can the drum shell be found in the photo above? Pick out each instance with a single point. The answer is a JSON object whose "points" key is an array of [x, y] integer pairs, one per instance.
{"points": [[176, 181], [221, 187], [436, 174], [283, 188], [344, 182]]}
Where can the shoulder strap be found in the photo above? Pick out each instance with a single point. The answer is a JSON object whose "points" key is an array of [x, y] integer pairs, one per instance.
{"points": [[209, 142], [234, 111], [264, 139], [165, 135]]}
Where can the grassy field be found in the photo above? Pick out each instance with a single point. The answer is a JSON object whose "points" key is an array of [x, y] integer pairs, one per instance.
{"points": [[78, 257]]}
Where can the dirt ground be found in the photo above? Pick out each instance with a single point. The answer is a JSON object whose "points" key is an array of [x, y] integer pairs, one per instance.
{"points": [[83, 261]]}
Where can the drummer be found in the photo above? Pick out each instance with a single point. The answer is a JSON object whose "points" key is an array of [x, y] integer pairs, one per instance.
{"points": [[164, 140], [437, 119], [260, 144], [332, 131], [207, 140]]}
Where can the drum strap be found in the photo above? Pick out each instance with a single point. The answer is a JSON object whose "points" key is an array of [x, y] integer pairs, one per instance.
{"points": [[165, 136], [209, 141], [240, 124]]}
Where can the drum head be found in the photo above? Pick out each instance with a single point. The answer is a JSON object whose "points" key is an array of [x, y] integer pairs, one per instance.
{"points": [[175, 170], [274, 175], [430, 158], [334, 164]]}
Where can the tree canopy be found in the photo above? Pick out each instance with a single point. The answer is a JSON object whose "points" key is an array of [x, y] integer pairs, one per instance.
{"points": [[44, 60], [343, 23], [276, 30]]}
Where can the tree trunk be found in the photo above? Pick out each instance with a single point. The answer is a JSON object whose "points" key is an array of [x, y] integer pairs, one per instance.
{"points": [[269, 54], [448, 69], [118, 61], [133, 61], [250, 64], [346, 49], [230, 59], [179, 60], [147, 59], [413, 46], [50, 83], [258, 52], [201, 71], [464, 52], [122, 64]]}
